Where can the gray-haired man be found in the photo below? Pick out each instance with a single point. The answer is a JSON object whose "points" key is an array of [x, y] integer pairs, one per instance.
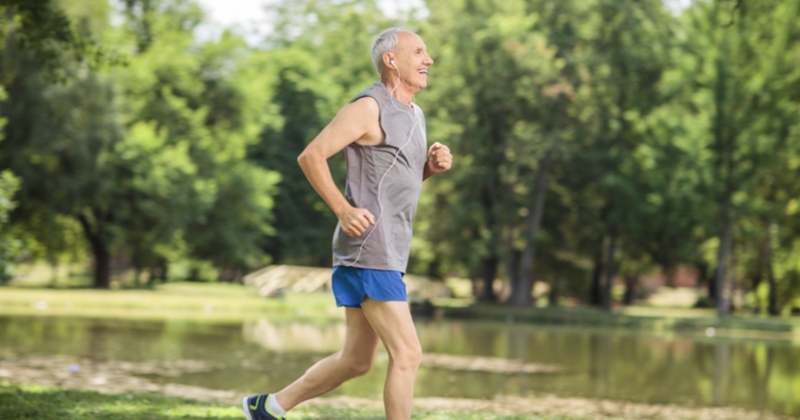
{"points": [[383, 135]]}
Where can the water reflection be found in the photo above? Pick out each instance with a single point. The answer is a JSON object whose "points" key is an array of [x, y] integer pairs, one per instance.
{"points": [[302, 337], [264, 355], [720, 377]]}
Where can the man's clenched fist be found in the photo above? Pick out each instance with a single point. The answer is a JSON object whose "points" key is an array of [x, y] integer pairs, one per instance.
{"points": [[439, 158], [355, 221]]}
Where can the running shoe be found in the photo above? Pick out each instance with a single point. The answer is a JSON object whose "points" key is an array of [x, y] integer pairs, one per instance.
{"points": [[255, 408]]}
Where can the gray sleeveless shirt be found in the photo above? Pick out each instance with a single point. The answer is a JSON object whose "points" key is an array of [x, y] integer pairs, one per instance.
{"points": [[392, 173]]}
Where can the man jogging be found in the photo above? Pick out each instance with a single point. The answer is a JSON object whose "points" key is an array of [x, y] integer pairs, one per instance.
{"points": [[383, 135]]}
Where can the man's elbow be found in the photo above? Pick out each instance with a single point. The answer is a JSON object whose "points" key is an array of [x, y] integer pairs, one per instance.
{"points": [[302, 159], [306, 158]]}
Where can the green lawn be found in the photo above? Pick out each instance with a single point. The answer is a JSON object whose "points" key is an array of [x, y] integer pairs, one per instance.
{"points": [[39, 403], [212, 302]]}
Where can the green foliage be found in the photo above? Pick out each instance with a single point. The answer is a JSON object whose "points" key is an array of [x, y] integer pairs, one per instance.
{"points": [[9, 246], [150, 158], [304, 219], [314, 70], [537, 83], [638, 162], [8, 186], [729, 121], [592, 140], [43, 29]]}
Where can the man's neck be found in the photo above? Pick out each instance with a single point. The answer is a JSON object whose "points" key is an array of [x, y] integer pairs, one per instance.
{"points": [[399, 90]]}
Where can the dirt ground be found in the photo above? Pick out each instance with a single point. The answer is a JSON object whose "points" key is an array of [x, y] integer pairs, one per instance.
{"points": [[129, 377]]}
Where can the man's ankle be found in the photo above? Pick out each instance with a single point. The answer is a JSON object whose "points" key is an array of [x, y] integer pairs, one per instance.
{"points": [[274, 407]]}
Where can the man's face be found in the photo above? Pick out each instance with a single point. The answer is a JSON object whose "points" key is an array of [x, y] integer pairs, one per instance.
{"points": [[412, 60]]}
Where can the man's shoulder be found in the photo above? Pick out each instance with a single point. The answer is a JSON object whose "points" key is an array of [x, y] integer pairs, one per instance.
{"points": [[365, 105], [375, 91], [363, 112]]}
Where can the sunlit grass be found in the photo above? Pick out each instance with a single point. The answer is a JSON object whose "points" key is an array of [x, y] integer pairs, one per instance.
{"points": [[212, 302]]}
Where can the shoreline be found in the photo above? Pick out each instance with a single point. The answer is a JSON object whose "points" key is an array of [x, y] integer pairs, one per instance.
{"points": [[227, 303], [124, 381]]}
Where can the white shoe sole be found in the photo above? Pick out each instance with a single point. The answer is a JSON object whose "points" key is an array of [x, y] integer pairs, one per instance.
{"points": [[246, 409]]}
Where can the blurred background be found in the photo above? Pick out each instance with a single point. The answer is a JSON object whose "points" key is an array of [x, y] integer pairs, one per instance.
{"points": [[637, 157], [604, 148]]}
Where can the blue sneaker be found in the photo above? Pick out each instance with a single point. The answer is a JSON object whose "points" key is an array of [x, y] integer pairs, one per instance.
{"points": [[255, 408]]}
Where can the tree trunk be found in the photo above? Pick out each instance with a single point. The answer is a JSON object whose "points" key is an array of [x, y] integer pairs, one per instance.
{"points": [[772, 306], [671, 271], [434, 270], [555, 292], [158, 272], [713, 296], [102, 255], [725, 143], [512, 258], [610, 269], [521, 295], [630, 289], [596, 288], [723, 255], [489, 274], [757, 279], [491, 203], [53, 260]]}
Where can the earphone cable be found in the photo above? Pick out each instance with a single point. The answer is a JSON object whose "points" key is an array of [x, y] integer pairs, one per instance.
{"points": [[415, 121]]}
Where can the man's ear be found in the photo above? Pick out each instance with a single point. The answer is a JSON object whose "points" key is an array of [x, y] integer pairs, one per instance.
{"points": [[388, 61]]}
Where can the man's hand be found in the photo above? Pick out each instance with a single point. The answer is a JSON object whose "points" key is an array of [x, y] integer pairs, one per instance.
{"points": [[355, 221], [439, 159]]}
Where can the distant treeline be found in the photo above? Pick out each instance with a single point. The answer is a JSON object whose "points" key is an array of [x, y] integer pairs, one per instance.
{"points": [[593, 140]]}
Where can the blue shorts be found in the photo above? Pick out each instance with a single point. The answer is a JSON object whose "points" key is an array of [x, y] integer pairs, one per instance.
{"points": [[352, 284]]}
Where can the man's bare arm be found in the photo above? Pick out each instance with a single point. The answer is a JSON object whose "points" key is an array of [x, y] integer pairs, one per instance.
{"points": [[356, 122]]}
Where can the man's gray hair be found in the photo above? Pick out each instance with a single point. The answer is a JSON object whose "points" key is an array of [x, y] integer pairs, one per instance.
{"points": [[387, 41]]}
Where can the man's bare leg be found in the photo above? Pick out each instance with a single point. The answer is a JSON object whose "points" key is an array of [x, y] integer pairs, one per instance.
{"points": [[393, 324], [354, 359]]}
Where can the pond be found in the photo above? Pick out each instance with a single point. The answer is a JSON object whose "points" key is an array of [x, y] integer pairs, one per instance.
{"points": [[464, 359]]}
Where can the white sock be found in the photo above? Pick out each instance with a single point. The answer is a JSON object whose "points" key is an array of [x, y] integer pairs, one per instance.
{"points": [[273, 406]]}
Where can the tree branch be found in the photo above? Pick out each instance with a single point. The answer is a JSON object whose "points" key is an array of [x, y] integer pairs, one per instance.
{"points": [[733, 12]]}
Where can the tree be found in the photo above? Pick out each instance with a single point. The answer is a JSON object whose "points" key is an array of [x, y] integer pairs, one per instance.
{"points": [[318, 62], [741, 118], [541, 90], [45, 32], [489, 113], [140, 157], [305, 220]]}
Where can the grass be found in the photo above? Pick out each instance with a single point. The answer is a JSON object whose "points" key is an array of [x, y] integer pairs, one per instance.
{"points": [[28, 402], [209, 302]]}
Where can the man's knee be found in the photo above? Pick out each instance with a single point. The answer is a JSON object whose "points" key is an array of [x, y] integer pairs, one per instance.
{"points": [[408, 358], [355, 365]]}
